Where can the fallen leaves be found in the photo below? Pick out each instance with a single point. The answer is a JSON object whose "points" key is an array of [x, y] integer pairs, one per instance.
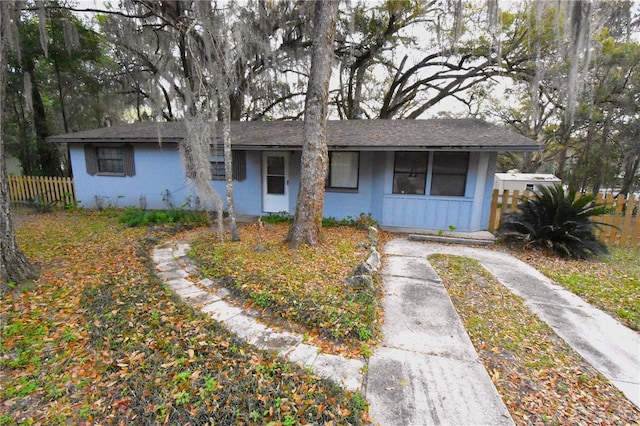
{"points": [[98, 340], [303, 289], [541, 379]]}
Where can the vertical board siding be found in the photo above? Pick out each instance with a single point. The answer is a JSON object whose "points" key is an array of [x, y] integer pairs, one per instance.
{"points": [[426, 213], [56, 191], [621, 227]]}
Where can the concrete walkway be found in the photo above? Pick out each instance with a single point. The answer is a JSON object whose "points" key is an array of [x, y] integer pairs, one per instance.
{"points": [[427, 370], [610, 347]]}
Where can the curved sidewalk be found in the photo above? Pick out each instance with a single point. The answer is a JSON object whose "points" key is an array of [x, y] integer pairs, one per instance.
{"points": [[175, 268]]}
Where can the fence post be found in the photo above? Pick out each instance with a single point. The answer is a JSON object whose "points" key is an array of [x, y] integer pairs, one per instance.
{"points": [[503, 203], [625, 229], [614, 219], [493, 211], [514, 200], [635, 232]]}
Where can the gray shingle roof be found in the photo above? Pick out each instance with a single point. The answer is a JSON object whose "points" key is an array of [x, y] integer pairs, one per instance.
{"points": [[467, 134]]}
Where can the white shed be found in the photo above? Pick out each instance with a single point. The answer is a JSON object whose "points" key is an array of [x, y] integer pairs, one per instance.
{"points": [[523, 181]]}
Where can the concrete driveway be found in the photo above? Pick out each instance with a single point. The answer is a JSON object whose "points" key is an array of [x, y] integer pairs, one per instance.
{"points": [[427, 371]]}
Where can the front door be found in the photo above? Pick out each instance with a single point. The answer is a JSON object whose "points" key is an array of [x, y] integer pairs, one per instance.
{"points": [[275, 182]]}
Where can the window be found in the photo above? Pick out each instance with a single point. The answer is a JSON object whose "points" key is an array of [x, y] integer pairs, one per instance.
{"points": [[343, 170], [449, 174], [238, 161], [217, 163], [110, 160], [276, 174], [410, 173]]}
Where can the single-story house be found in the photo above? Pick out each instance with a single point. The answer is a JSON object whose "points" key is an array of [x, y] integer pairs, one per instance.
{"points": [[523, 181], [430, 174]]}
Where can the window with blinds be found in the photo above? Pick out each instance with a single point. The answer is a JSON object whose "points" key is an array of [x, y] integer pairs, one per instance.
{"points": [[343, 170]]}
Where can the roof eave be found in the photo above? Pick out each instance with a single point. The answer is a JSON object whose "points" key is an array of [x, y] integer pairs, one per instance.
{"points": [[299, 147], [114, 140], [437, 148]]}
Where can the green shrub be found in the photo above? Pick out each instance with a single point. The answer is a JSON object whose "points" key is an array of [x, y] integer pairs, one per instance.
{"points": [[137, 217], [280, 217], [363, 221], [329, 222], [557, 220]]}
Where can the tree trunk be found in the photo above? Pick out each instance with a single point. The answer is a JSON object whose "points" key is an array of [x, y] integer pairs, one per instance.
{"points": [[63, 108], [601, 165], [630, 165], [307, 223], [48, 156], [564, 137], [228, 165], [14, 266], [562, 162]]}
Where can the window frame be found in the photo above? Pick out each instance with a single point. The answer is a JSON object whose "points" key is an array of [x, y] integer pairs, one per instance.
{"points": [[238, 162], [332, 188], [92, 160], [217, 152], [449, 174], [397, 172], [110, 155]]}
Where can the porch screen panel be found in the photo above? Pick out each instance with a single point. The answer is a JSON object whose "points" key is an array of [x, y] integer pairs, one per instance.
{"points": [[275, 175], [343, 171], [449, 176]]}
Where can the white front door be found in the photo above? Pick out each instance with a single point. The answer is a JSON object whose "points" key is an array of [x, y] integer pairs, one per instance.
{"points": [[275, 182]]}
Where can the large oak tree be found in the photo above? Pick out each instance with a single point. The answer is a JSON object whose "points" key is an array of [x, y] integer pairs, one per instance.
{"points": [[307, 223], [14, 266]]}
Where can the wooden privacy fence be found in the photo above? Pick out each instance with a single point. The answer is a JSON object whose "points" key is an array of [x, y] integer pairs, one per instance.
{"points": [[52, 191], [624, 216]]}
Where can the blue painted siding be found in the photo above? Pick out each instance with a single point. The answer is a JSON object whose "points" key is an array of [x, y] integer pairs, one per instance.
{"points": [[159, 171], [247, 194], [378, 179], [488, 189], [437, 212], [407, 211], [344, 204]]}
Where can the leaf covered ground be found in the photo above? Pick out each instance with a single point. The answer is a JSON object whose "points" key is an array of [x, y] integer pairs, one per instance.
{"points": [[304, 289], [97, 339], [540, 378]]}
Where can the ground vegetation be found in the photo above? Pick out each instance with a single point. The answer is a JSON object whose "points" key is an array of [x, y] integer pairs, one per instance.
{"points": [[540, 378], [555, 219], [98, 339]]}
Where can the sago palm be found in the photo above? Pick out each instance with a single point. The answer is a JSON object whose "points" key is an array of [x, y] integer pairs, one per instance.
{"points": [[557, 220]]}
